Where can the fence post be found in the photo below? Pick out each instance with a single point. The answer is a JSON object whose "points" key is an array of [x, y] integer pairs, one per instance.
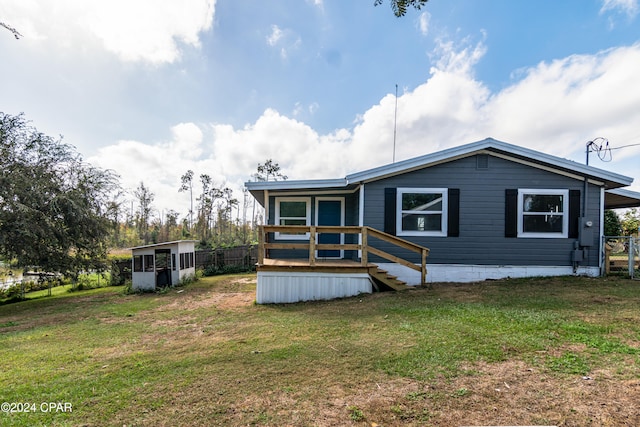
{"points": [[632, 257]]}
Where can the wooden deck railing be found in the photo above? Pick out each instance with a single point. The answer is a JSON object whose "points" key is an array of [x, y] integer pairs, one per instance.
{"points": [[311, 244]]}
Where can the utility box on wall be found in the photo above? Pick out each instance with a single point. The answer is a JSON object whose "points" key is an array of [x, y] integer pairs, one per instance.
{"points": [[587, 233]]}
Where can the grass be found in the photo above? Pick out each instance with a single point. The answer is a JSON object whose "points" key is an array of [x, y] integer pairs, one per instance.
{"points": [[534, 351]]}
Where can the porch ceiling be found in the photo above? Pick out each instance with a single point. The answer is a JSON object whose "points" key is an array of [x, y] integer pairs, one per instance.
{"points": [[620, 198]]}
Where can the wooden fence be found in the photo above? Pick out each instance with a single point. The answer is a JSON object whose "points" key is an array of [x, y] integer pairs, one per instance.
{"points": [[243, 256]]}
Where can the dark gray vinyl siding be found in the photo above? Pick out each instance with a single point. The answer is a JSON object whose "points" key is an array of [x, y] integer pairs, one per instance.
{"points": [[482, 213]]}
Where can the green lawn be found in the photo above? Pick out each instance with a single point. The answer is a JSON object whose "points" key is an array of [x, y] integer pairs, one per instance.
{"points": [[562, 351]]}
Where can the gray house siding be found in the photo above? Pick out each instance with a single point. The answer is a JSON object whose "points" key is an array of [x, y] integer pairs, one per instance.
{"points": [[481, 218]]}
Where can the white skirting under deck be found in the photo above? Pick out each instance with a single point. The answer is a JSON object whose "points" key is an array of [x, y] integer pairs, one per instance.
{"points": [[287, 287]]}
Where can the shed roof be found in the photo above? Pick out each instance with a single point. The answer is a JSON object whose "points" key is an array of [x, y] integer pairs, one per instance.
{"points": [[164, 244]]}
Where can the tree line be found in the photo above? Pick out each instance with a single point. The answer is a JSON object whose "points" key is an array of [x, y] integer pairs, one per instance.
{"points": [[61, 214]]}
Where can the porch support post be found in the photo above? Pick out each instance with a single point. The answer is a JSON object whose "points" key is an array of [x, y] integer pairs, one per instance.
{"points": [[364, 257], [312, 245], [261, 242]]}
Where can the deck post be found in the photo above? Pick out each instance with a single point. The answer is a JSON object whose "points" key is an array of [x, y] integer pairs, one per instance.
{"points": [[423, 270], [312, 245], [364, 256], [261, 242]]}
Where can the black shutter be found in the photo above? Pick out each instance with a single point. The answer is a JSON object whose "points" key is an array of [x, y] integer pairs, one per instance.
{"points": [[390, 210], [453, 213], [574, 213], [511, 213]]}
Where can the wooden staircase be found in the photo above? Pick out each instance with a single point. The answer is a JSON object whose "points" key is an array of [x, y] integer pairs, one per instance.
{"points": [[382, 277]]}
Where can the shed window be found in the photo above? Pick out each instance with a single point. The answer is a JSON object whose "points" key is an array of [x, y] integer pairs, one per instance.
{"points": [[137, 263], [293, 211], [543, 213], [421, 211], [148, 263]]}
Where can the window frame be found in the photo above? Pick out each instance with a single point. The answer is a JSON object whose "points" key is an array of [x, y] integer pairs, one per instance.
{"points": [[544, 192], [444, 213], [285, 236], [149, 266], [138, 264]]}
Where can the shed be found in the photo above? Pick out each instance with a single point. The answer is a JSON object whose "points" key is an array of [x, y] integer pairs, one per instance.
{"points": [[162, 264]]}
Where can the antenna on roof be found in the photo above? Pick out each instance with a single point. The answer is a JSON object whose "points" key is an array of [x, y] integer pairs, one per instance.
{"points": [[395, 121]]}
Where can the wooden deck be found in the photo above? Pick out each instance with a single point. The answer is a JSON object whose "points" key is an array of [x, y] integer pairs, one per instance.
{"points": [[320, 265], [315, 264]]}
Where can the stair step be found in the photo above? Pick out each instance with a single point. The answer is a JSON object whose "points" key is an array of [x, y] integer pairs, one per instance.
{"points": [[387, 279]]}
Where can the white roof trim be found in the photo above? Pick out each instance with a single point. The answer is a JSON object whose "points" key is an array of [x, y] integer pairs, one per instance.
{"points": [[488, 146], [489, 143], [295, 185]]}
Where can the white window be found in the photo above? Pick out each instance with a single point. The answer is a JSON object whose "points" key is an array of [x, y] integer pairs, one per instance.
{"points": [[293, 211], [543, 213], [421, 212]]}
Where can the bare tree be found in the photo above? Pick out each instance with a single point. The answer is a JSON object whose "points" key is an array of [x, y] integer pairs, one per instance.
{"points": [[145, 198], [15, 32], [187, 184]]}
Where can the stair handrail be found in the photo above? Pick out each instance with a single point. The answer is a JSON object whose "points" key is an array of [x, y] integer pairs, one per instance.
{"points": [[311, 245]]}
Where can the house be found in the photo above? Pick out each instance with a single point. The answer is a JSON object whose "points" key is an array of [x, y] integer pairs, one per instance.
{"points": [[484, 210], [162, 264]]}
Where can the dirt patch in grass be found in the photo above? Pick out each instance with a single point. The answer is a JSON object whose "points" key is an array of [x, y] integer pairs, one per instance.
{"points": [[508, 393], [228, 292]]}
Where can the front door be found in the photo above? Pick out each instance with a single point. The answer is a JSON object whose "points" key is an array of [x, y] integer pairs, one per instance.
{"points": [[329, 211]]}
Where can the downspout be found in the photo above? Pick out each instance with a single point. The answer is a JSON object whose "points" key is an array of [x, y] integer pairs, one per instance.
{"points": [[585, 199], [360, 215], [601, 237]]}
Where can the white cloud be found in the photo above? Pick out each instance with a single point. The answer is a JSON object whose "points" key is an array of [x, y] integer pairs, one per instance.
{"points": [[458, 58], [149, 29], [142, 30], [555, 107], [628, 7], [275, 36], [286, 40], [423, 23], [317, 3]]}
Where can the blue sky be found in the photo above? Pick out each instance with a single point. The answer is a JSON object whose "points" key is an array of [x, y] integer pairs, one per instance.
{"points": [[152, 88]]}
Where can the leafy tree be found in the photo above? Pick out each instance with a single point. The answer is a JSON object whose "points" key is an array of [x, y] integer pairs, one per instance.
{"points": [[611, 224], [630, 222], [399, 7], [52, 204]]}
